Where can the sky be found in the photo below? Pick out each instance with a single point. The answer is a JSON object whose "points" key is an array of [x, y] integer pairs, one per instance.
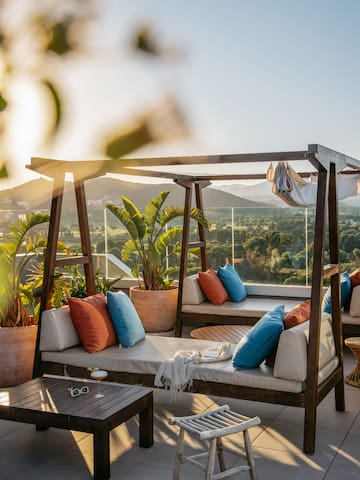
{"points": [[250, 76]]}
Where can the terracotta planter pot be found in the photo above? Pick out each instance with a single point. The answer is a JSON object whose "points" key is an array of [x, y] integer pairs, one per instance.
{"points": [[17, 350], [156, 308]]}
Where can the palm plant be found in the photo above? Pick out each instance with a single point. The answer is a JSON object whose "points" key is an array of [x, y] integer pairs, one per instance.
{"points": [[152, 243], [76, 282], [68, 282], [17, 299]]}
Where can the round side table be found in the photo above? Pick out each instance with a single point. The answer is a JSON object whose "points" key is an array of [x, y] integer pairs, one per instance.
{"points": [[220, 333], [354, 344]]}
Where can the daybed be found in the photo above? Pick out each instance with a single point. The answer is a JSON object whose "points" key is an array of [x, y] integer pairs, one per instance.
{"points": [[63, 354], [351, 317], [260, 299], [320, 372], [350, 325]]}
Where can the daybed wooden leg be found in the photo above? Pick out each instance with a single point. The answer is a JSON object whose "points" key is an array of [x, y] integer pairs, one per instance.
{"points": [[340, 396], [41, 428], [309, 429]]}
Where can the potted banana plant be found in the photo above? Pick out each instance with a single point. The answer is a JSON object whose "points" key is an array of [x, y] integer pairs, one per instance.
{"points": [[19, 308], [153, 242]]}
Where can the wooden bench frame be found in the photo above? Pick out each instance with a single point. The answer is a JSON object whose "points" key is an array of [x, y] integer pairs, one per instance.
{"points": [[228, 391]]}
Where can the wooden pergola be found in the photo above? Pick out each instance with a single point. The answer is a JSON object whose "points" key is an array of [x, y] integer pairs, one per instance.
{"points": [[326, 163]]}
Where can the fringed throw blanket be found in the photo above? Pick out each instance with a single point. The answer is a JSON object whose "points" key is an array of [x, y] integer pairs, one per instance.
{"points": [[176, 374]]}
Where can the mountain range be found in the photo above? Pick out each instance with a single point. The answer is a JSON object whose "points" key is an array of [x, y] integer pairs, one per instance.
{"points": [[37, 194]]}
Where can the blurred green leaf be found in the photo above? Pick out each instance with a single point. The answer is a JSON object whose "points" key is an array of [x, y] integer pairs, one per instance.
{"points": [[3, 171], [2, 39], [54, 95], [144, 40], [59, 38], [129, 140], [3, 103]]}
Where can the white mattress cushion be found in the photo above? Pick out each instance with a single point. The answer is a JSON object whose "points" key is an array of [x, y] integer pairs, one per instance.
{"points": [[291, 356], [192, 293], [349, 320], [57, 330], [147, 355], [249, 307], [355, 302]]}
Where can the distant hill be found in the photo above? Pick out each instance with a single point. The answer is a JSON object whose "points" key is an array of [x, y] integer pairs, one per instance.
{"points": [[37, 194], [261, 191]]}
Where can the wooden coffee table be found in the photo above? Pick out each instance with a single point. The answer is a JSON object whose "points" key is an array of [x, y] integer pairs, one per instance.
{"points": [[46, 402]]}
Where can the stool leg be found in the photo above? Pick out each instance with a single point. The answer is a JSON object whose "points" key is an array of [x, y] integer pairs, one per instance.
{"points": [[179, 455], [211, 460], [249, 455], [220, 452]]}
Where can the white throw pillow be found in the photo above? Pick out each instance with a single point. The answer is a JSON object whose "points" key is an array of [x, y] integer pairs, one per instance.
{"points": [[57, 330], [355, 302], [291, 355], [192, 293]]}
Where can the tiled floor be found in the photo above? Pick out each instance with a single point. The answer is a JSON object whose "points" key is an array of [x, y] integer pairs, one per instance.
{"points": [[58, 454]]}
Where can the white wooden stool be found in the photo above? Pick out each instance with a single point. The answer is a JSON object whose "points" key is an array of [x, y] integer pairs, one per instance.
{"points": [[212, 426]]}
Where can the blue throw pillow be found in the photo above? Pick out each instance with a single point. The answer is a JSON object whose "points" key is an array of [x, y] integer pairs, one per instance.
{"points": [[260, 340], [127, 324], [232, 283], [345, 288]]}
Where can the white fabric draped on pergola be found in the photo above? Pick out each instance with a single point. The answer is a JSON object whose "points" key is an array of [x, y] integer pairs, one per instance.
{"points": [[299, 192]]}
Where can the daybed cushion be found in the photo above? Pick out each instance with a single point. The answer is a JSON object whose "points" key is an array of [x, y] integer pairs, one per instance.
{"points": [[232, 283], [260, 340], [192, 293], [298, 315], [254, 307], [92, 322], [355, 302], [146, 356], [345, 287], [347, 319], [212, 287], [57, 330], [127, 324], [291, 356]]}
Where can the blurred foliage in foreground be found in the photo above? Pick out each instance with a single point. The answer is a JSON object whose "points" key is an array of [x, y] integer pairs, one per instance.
{"points": [[37, 38]]}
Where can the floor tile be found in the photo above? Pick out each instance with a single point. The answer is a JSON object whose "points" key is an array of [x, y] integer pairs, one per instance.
{"points": [[346, 463], [285, 465], [340, 421], [277, 443]]}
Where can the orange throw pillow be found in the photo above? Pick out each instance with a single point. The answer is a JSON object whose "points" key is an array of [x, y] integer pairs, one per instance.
{"points": [[212, 287], [355, 278], [297, 315], [92, 322], [355, 281]]}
